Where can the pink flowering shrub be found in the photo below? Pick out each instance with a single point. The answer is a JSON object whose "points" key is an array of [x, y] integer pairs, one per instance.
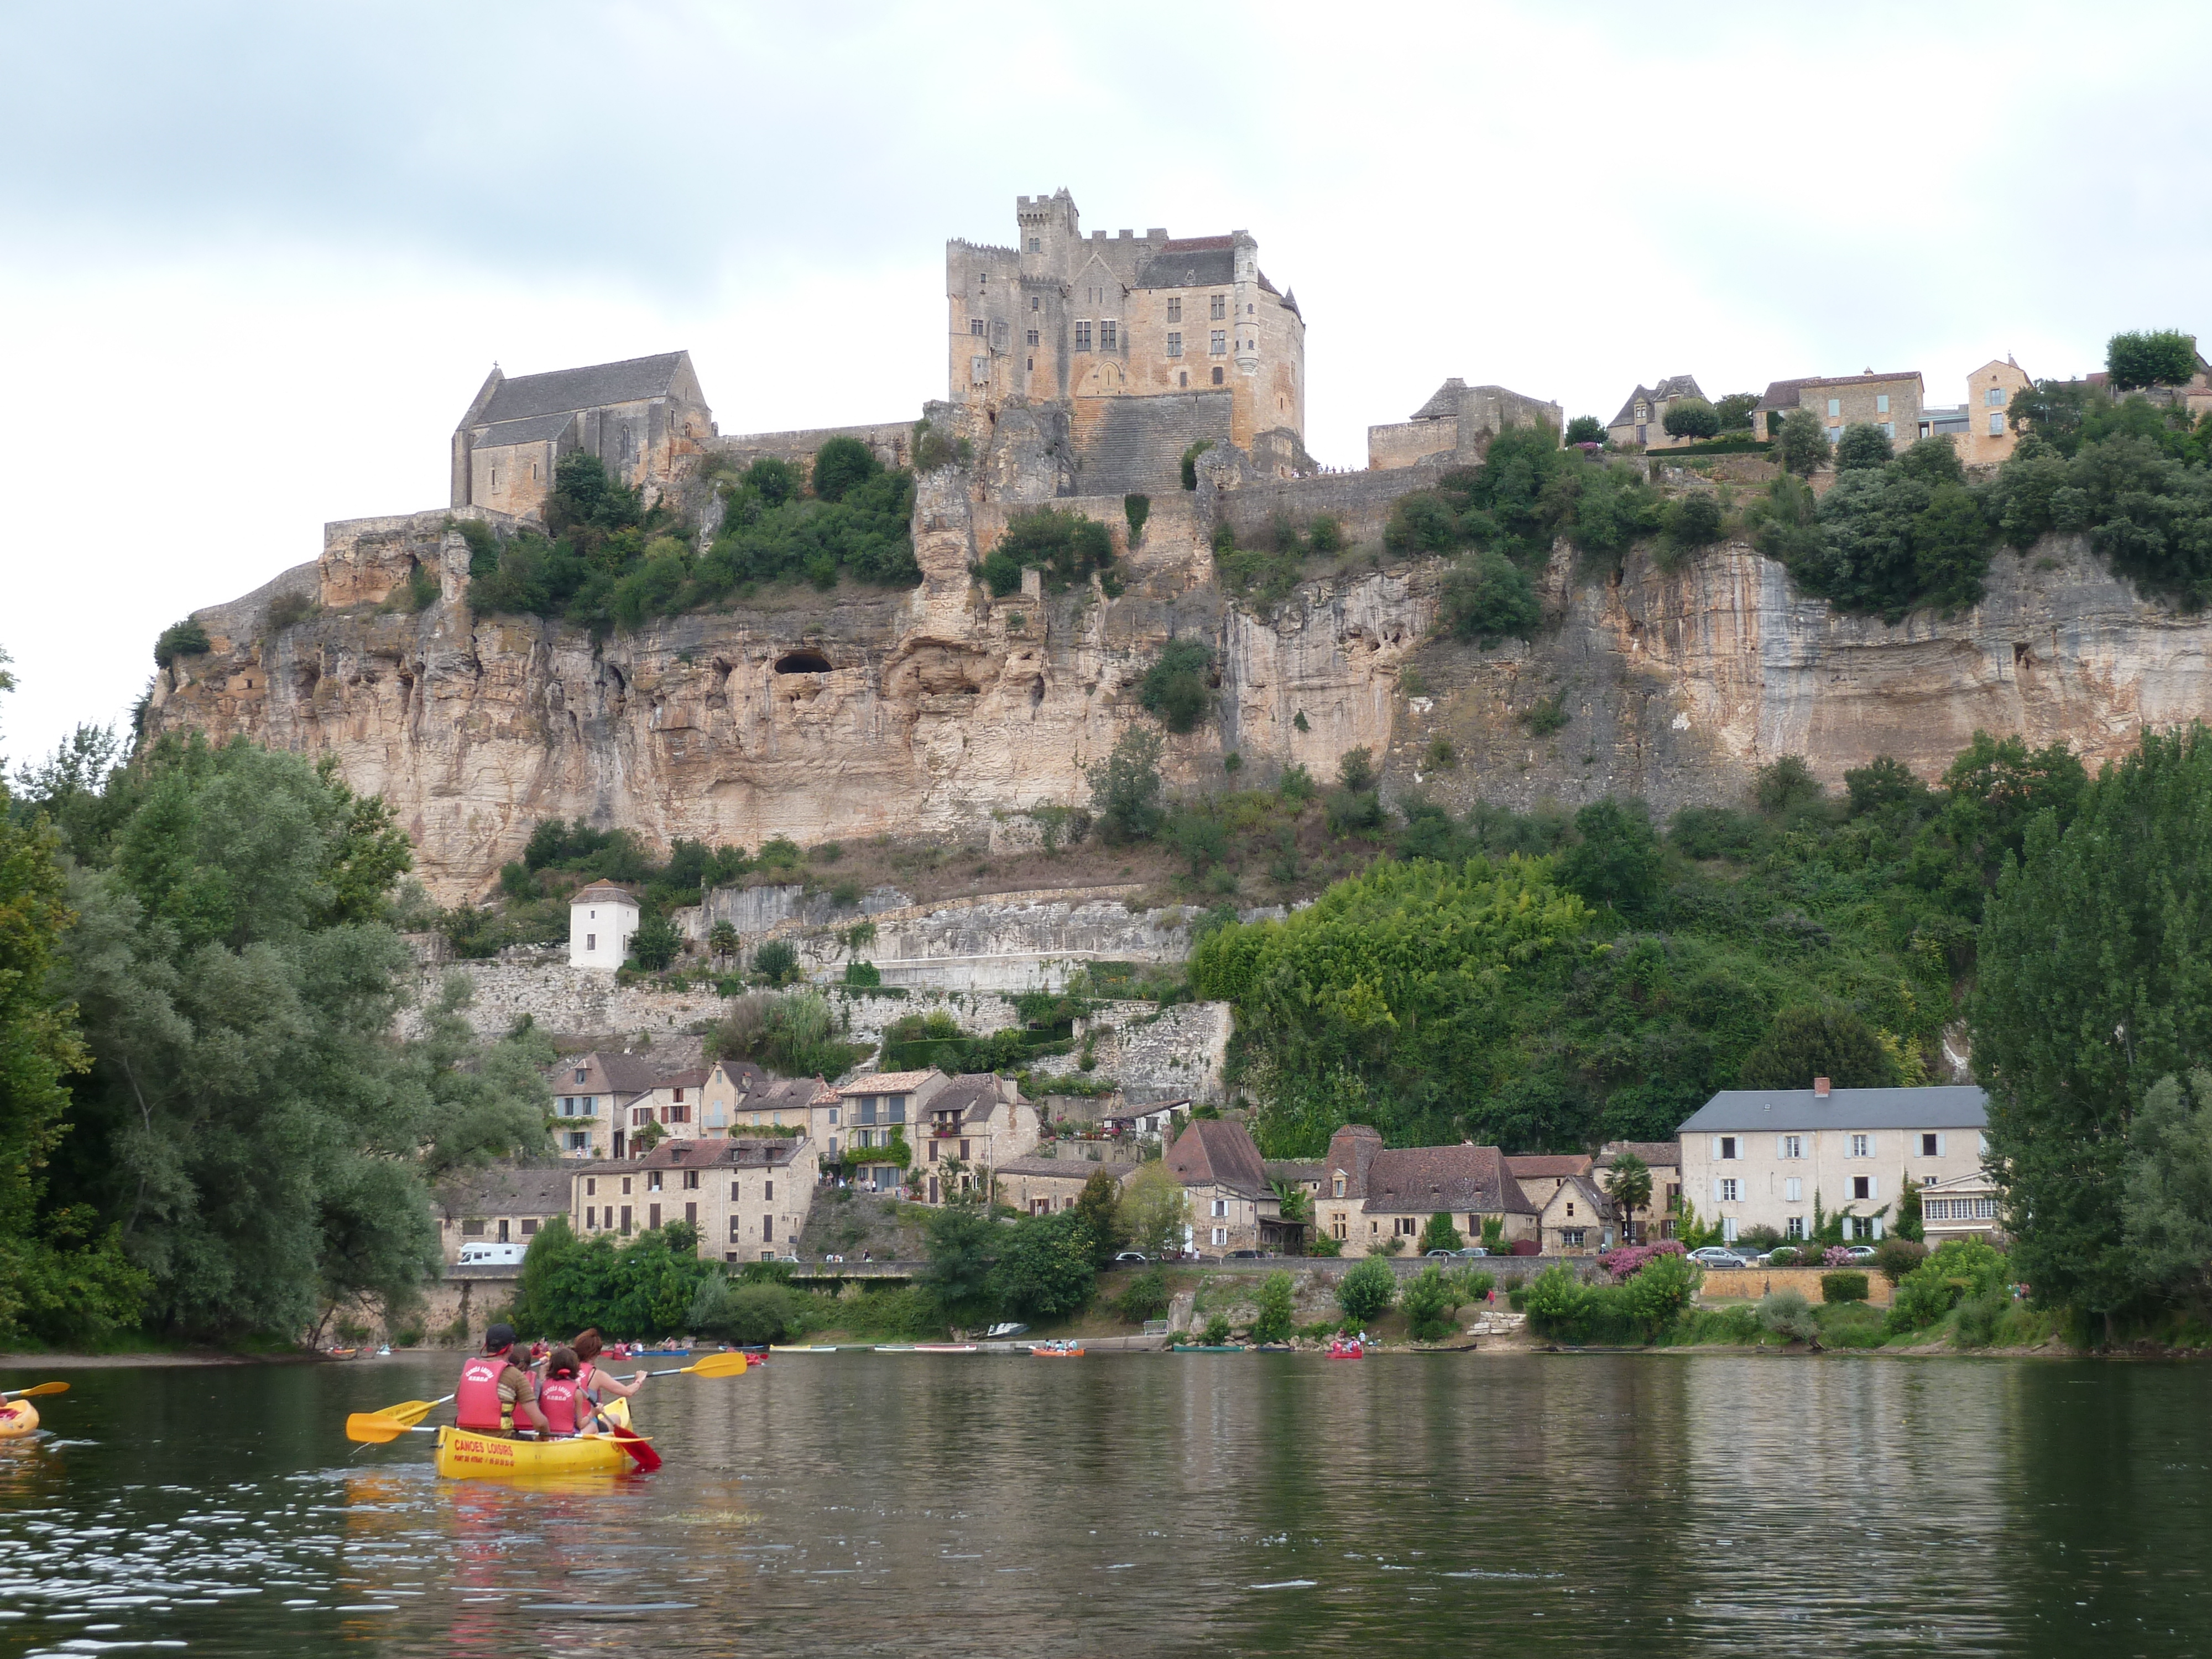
{"points": [[1836, 1255], [1628, 1262]]}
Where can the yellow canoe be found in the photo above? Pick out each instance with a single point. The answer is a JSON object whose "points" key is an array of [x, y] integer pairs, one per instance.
{"points": [[17, 1418], [463, 1455]]}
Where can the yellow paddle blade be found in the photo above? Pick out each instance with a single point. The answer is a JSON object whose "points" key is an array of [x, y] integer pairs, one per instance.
{"points": [[43, 1388], [718, 1365], [374, 1429]]}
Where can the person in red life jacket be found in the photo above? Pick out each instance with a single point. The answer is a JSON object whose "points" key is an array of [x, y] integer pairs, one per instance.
{"points": [[495, 1396], [567, 1409], [603, 1384]]}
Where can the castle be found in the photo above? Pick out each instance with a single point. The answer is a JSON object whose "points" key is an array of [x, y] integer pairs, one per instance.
{"points": [[1154, 342], [638, 417]]}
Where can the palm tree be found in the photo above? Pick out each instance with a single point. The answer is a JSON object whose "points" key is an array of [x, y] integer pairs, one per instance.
{"points": [[722, 940], [1628, 1184]]}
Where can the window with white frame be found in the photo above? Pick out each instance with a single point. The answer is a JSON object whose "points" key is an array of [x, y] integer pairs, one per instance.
{"points": [[1572, 1237], [1221, 1206], [1728, 1230], [1726, 1148], [1405, 1227], [1862, 1188], [1862, 1146], [1864, 1227], [1792, 1147], [1931, 1145], [1794, 1227], [1728, 1189], [1986, 1209]]}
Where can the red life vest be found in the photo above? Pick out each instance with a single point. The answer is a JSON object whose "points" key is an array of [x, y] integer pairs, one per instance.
{"points": [[556, 1398], [476, 1402]]}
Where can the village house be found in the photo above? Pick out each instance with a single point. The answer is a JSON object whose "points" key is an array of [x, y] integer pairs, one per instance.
{"points": [[1960, 1206], [1456, 424], [978, 1119], [1642, 417], [1232, 1207], [754, 1103], [1654, 1218], [749, 1198], [1371, 1193], [602, 917], [1039, 1186], [1890, 402], [1151, 1122], [882, 1112], [1763, 1158], [1980, 429], [1542, 1174], [505, 1204], [593, 1098], [1576, 1219], [637, 416]]}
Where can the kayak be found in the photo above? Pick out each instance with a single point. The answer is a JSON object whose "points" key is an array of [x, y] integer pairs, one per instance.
{"points": [[17, 1418], [464, 1455], [1351, 1351], [945, 1347], [1208, 1347], [1056, 1353], [818, 1347]]}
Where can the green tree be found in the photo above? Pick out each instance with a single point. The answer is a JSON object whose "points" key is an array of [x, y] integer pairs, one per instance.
{"points": [[1863, 445], [1099, 1205], [842, 466], [1691, 418], [1488, 599], [960, 1240], [1801, 446], [1440, 1235], [1616, 859], [1808, 1041], [2095, 957], [775, 960], [1628, 1184], [1661, 1292], [1175, 688], [656, 943], [747, 1313], [1734, 411], [1125, 787], [1066, 545], [1428, 1304], [1694, 520], [1155, 1210], [1367, 1289], [1045, 1267], [2164, 356], [722, 941], [1273, 1323], [1586, 429], [2166, 1204], [185, 639]]}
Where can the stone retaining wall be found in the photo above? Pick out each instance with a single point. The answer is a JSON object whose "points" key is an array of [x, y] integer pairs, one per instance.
{"points": [[1742, 1284]]}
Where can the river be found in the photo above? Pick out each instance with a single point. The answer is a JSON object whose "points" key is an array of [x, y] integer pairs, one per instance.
{"points": [[1138, 1504]]}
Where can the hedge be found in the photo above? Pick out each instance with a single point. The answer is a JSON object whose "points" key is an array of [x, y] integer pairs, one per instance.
{"points": [[1843, 1287]]}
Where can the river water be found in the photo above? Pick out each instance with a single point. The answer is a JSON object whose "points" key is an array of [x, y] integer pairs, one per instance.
{"points": [[1138, 1504]]}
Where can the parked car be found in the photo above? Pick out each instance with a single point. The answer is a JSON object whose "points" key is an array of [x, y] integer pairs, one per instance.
{"points": [[1131, 1259], [1472, 1249], [1247, 1255], [1718, 1256], [1440, 1252], [1862, 1252], [489, 1255]]}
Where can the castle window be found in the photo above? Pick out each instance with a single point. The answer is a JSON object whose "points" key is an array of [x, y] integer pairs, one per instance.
{"points": [[1033, 336], [975, 324], [1036, 304], [1083, 337], [1220, 306], [1106, 332], [1036, 244], [1184, 379], [1175, 342], [1219, 345], [1251, 310], [1175, 311], [1031, 362], [1217, 377]]}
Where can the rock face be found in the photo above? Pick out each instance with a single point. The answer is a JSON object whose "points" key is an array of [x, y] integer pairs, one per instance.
{"points": [[943, 710]]}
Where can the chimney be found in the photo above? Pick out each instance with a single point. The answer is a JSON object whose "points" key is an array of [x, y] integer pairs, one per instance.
{"points": [[1820, 1088]]}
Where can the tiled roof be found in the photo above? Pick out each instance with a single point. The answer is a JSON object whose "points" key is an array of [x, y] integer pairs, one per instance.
{"points": [[632, 381], [770, 1150], [1291, 1171], [1215, 1150], [1655, 1154], [687, 1079], [1674, 386], [1427, 1179], [535, 429], [602, 892], [886, 1082], [1067, 1168], [1443, 401], [1533, 1166], [975, 1095], [784, 1094], [741, 1072], [1788, 394], [624, 1073], [506, 1189], [1948, 1107], [1577, 1187]]}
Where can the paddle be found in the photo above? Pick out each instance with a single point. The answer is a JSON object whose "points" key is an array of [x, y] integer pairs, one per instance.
{"points": [[640, 1448], [714, 1365], [375, 1428], [43, 1388]]}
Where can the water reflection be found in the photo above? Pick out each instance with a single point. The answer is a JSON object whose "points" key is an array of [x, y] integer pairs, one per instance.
{"points": [[1216, 1505]]}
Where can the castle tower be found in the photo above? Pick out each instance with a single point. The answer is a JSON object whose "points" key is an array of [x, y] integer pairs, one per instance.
{"points": [[1245, 263]]}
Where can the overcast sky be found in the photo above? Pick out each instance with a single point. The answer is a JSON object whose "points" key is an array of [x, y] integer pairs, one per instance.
{"points": [[256, 258]]}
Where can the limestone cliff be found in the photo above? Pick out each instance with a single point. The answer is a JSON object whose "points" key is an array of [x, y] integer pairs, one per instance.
{"points": [[864, 713]]}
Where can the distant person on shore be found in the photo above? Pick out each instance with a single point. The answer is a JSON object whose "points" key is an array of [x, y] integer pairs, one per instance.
{"points": [[601, 1384], [495, 1396]]}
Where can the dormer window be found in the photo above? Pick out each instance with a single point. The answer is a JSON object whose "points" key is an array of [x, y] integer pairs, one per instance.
{"points": [[1337, 1186]]}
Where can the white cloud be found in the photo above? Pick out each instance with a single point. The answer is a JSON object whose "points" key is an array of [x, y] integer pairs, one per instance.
{"points": [[254, 259]]}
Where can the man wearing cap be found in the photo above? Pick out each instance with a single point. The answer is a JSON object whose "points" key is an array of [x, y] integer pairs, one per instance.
{"points": [[496, 1397]]}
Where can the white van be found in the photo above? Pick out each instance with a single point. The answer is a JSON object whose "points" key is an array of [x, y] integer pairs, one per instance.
{"points": [[487, 1256]]}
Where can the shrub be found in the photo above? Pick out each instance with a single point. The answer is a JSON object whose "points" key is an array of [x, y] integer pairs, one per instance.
{"points": [[1174, 688], [842, 466], [1789, 1314], [1895, 1257], [1658, 1295], [1066, 546], [1393, 1245], [1803, 444], [1439, 756], [1216, 1334], [1546, 715], [1325, 534], [1428, 1303], [1843, 1287], [1145, 1297], [1694, 519], [1190, 462], [1586, 429], [776, 961], [1273, 1323], [934, 450], [1691, 418], [287, 610], [1125, 787], [1863, 445], [1629, 1260], [1486, 599], [184, 639], [1958, 1270], [1136, 509], [1367, 1290], [864, 975]]}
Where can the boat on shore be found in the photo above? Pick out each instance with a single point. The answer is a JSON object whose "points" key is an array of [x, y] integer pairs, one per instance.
{"points": [[1208, 1347], [805, 1347], [1056, 1349], [945, 1347], [464, 1455]]}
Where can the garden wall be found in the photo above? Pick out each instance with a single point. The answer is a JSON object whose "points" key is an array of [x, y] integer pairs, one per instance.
{"points": [[1749, 1284]]}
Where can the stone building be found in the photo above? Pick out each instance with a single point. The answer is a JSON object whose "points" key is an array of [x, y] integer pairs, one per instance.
{"points": [[594, 1095], [602, 919], [979, 1119], [1654, 1218], [1232, 1207], [1576, 1219], [638, 417], [749, 1198], [1642, 417], [1154, 342], [505, 1204], [1980, 429], [1370, 1192], [1039, 1186], [1542, 1174], [1456, 424], [1891, 402], [1761, 1157]]}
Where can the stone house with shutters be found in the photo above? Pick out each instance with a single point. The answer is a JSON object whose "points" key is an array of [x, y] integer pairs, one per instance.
{"points": [[1232, 1207], [1542, 1174], [1980, 429], [594, 1096], [1654, 1219], [1761, 1157], [883, 1110], [1642, 417], [1891, 402], [979, 1121], [1370, 1192], [1041, 1186], [505, 1204], [749, 1198], [1576, 1219]]}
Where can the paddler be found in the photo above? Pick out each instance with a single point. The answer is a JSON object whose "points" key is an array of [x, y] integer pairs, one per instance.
{"points": [[602, 1385], [495, 1396], [561, 1397]]}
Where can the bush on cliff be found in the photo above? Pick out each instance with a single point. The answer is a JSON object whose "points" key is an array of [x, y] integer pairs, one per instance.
{"points": [[1065, 545], [1175, 688]]}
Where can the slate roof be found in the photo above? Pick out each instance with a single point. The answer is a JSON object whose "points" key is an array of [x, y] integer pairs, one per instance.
{"points": [[1578, 1187], [1674, 386], [1191, 264], [1217, 1150], [1532, 1166], [532, 429], [1655, 1154], [784, 1094], [885, 1083], [506, 1190], [1947, 1106], [1442, 402], [566, 389], [1292, 1173], [1427, 1179], [624, 1073], [1788, 394], [1069, 1169], [975, 1094]]}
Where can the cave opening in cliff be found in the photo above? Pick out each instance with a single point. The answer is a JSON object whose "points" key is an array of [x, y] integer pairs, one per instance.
{"points": [[802, 662]]}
